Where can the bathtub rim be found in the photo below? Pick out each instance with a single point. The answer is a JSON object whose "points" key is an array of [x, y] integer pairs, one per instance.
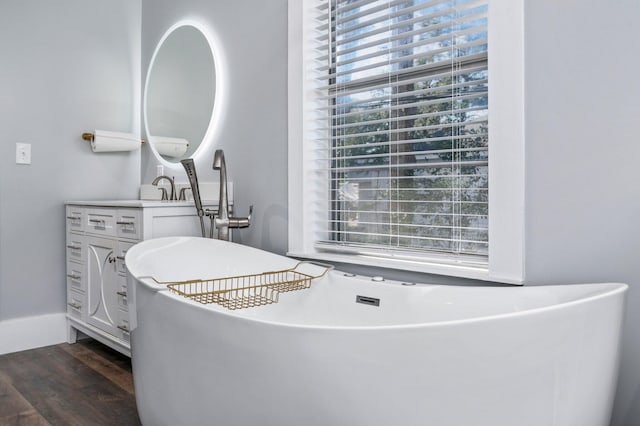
{"points": [[616, 288]]}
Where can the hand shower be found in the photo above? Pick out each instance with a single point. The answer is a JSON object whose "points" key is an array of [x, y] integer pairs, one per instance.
{"points": [[190, 168]]}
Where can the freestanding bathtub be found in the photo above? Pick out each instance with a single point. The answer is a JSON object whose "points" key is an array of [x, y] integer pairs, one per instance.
{"points": [[426, 355]]}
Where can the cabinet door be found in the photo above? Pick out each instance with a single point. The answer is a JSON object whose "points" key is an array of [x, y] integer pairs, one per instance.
{"points": [[102, 284]]}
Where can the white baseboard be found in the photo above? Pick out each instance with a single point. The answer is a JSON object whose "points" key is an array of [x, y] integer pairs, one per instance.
{"points": [[32, 332]]}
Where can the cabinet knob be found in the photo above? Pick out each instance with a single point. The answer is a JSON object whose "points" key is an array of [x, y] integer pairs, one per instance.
{"points": [[74, 305], [121, 293], [124, 328], [74, 276]]}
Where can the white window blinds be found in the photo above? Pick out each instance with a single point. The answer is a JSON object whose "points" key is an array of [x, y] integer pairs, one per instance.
{"points": [[403, 122]]}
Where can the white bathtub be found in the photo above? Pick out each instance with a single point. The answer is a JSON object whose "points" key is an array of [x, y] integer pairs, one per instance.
{"points": [[427, 355]]}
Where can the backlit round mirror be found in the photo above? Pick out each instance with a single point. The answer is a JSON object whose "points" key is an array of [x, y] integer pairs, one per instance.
{"points": [[180, 92]]}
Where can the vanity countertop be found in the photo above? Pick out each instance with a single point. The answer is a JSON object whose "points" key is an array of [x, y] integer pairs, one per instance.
{"points": [[138, 203]]}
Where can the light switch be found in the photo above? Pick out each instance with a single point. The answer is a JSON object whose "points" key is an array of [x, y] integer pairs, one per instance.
{"points": [[23, 153]]}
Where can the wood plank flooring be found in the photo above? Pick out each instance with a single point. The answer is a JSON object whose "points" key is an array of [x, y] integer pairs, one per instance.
{"points": [[82, 384]]}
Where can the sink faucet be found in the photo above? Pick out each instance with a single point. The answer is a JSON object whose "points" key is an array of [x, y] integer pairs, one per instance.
{"points": [[164, 191], [222, 220]]}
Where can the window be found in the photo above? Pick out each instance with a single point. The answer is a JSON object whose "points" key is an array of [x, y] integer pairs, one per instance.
{"points": [[407, 131], [394, 135]]}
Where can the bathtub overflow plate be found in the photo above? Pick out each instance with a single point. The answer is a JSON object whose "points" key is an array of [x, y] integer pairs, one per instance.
{"points": [[366, 300]]}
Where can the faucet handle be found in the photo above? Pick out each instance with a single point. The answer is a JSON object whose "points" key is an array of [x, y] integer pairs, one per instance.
{"points": [[164, 193], [183, 194], [241, 222]]}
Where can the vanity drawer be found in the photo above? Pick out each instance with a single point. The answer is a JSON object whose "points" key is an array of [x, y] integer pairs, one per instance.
{"points": [[122, 294], [75, 247], [121, 252], [75, 219], [75, 304], [122, 325], [75, 273], [101, 221], [128, 224]]}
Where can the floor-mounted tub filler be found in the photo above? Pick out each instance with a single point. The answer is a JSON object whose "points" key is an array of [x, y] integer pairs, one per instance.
{"points": [[355, 352]]}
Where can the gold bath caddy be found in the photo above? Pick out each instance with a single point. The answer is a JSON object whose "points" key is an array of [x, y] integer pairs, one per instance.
{"points": [[245, 291]]}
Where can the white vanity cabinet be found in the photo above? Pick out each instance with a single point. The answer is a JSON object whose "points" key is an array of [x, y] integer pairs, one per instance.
{"points": [[99, 233]]}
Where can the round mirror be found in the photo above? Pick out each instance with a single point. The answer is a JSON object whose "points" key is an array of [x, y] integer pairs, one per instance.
{"points": [[179, 94]]}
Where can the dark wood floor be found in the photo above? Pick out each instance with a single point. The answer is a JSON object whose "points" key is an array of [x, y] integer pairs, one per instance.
{"points": [[82, 384]]}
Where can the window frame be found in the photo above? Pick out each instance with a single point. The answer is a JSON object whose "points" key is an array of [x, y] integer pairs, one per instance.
{"points": [[505, 261]]}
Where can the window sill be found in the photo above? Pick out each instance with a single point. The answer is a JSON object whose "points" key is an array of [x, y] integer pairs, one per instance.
{"points": [[451, 268]]}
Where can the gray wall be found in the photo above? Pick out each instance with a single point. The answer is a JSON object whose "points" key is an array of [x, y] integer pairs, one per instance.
{"points": [[582, 183], [66, 67], [253, 37]]}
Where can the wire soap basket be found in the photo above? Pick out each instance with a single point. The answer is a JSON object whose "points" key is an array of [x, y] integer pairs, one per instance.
{"points": [[246, 291]]}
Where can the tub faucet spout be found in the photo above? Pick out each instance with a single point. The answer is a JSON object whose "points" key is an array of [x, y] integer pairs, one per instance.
{"points": [[223, 221]]}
